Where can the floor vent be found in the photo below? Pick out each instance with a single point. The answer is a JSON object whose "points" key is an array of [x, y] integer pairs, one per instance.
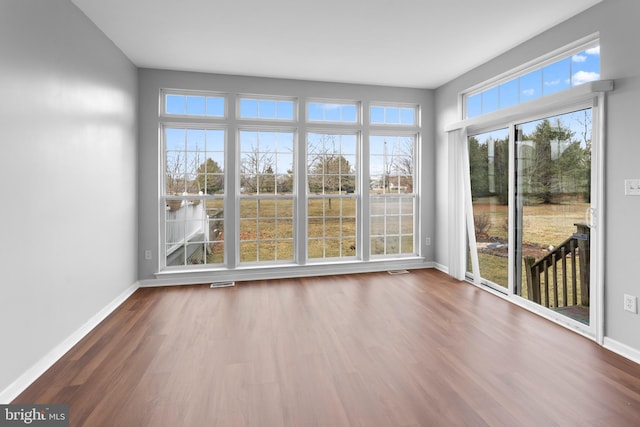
{"points": [[398, 272], [222, 284]]}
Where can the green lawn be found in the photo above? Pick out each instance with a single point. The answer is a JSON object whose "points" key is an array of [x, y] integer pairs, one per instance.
{"points": [[266, 230], [544, 225]]}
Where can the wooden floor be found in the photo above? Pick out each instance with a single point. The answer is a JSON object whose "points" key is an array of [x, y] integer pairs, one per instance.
{"points": [[364, 350]]}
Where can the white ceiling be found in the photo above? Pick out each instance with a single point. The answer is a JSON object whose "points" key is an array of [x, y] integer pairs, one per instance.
{"points": [[409, 43]]}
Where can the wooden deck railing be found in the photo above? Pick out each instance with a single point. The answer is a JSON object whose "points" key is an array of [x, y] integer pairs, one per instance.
{"points": [[571, 260]]}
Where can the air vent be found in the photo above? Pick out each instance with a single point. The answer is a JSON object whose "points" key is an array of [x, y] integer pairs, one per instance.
{"points": [[222, 284]]}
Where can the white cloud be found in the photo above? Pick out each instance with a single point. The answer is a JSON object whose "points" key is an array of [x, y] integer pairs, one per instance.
{"points": [[593, 51], [528, 92], [585, 76], [578, 58], [553, 82]]}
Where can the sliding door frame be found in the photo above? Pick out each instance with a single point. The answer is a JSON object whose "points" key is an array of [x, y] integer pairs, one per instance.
{"points": [[592, 96]]}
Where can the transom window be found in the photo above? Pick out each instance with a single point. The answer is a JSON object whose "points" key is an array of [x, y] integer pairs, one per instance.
{"points": [[573, 68], [266, 108], [332, 112], [393, 115], [194, 105]]}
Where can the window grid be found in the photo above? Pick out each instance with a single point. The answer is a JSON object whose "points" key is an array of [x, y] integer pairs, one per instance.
{"points": [[266, 108], [193, 196], [392, 194], [266, 229], [392, 115], [572, 69], [332, 112], [193, 105], [266, 196], [263, 204], [332, 188], [392, 225]]}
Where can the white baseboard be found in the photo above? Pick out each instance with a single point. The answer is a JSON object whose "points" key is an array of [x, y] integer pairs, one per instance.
{"points": [[173, 277], [441, 267], [33, 373], [622, 349]]}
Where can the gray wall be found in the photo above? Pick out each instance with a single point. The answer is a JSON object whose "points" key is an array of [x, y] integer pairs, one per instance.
{"points": [[617, 21], [67, 175], [151, 81]]}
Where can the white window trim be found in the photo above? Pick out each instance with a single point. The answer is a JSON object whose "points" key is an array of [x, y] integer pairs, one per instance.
{"points": [[232, 269], [385, 104], [260, 97], [164, 116], [535, 64], [589, 95], [333, 123]]}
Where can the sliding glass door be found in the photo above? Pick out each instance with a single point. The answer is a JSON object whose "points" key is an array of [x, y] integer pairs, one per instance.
{"points": [[489, 174], [531, 197], [552, 205]]}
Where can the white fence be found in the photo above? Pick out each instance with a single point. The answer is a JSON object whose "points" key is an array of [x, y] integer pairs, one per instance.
{"points": [[185, 222]]}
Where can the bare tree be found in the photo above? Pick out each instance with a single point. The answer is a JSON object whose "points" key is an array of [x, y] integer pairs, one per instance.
{"points": [[329, 171], [254, 165]]}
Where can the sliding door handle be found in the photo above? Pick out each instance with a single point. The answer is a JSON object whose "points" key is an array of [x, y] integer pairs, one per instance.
{"points": [[589, 215]]}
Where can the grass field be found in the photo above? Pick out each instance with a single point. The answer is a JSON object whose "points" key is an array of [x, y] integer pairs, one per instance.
{"points": [[544, 225], [267, 229]]}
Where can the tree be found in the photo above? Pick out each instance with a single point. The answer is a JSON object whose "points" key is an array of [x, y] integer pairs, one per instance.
{"points": [[175, 173], [267, 181], [478, 168], [501, 170], [331, 174], [285, 182], [489, 167], [253, 166], [210, 179], [542, 169]]}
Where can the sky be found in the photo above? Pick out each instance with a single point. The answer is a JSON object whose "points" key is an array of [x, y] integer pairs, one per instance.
{"points": [[572, 71]]}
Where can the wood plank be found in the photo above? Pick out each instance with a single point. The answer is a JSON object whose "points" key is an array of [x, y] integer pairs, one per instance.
{"points": [[359, 350]]}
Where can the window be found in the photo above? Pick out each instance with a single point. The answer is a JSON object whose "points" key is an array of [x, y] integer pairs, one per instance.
{"points": [[393, 115], [271, 109], [194, 196], [288, 190], [332, 202], [392, 195], [194, 105], [574, 67], [266, 196], [332, 112]]}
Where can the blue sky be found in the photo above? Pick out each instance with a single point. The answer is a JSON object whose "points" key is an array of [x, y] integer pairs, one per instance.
{"points": [[572, 71]]}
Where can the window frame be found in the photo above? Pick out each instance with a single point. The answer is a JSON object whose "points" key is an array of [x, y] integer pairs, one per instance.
{"points": [[355, 196], [164, 93], [399, 105], [259, 98], [413, 195], [328, 102], [186, 200], [239, 196], [355, 214], [538, 64]]}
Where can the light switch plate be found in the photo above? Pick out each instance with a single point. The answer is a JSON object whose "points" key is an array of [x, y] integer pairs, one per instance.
{"points": [[632, 187]]}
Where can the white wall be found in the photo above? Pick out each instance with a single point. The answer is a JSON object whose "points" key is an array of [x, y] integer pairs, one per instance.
{"points": [[617, 21], [150, 83], [68, 228]]}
